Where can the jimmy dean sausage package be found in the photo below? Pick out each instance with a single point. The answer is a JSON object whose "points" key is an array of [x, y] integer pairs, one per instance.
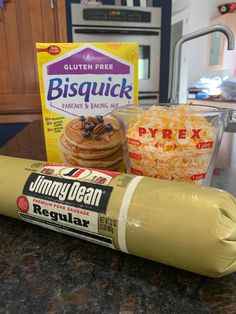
{"points": [[80, 84], [175, 223]]}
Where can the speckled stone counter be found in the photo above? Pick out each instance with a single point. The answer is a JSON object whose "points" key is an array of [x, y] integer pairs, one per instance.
{"points": [[46, 272], [42, 271]]}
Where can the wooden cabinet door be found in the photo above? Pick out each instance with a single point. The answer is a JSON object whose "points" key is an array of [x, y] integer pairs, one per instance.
{"points": [[22, 24]]}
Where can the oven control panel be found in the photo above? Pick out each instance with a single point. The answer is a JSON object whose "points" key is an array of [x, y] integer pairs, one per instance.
{"points": [[92, 14]]}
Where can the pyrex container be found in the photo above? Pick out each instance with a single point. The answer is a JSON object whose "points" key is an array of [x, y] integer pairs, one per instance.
{"points": [[174, 142]]}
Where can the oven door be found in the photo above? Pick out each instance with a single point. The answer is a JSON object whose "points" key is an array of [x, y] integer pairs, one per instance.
{"points": [[149, 50]]}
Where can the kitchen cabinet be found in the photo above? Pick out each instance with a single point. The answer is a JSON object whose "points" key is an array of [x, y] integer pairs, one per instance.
{"points": [[219, 58], [22, 24]]}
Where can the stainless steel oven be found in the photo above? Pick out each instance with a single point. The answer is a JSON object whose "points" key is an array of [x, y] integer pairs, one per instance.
{"points": [[107, 23]]}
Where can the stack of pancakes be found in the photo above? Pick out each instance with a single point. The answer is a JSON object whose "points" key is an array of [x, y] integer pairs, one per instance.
{"points": [[92, 142]]}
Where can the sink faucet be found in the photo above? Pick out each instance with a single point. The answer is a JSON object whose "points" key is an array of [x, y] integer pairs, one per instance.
{"points": [[177, 50]]}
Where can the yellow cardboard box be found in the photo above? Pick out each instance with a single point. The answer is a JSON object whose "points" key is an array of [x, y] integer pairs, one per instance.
{"points": [[80, 85]]}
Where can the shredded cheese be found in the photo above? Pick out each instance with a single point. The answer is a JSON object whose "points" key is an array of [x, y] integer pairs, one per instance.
{"points": [[175, 143]]}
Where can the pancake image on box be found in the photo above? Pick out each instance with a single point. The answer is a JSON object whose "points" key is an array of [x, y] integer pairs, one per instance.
{"points": [[92, 142]]}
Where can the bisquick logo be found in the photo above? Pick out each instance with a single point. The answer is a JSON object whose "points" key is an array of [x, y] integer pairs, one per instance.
{"points": [[85, 77], [75, 193], [64, 88]]}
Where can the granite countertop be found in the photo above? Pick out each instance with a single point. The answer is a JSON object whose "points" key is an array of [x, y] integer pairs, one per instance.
{"points": [[223, 100], [214, 102], [42, 271], [214, 99]]}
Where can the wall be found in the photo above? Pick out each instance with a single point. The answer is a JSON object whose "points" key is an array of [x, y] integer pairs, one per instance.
{"points": [[200, 14], [179, 5], [194, 56], [179, 18]]}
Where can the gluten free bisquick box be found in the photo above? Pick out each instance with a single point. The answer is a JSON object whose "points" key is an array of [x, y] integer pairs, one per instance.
{"points": [[80, 85]]}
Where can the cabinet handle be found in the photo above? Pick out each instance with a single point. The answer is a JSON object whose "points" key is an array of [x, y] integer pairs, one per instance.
{"points": [[52, 4], [1, 14]]}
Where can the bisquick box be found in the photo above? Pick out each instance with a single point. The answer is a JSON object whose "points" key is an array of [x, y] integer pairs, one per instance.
{"points": [[80, 85]]}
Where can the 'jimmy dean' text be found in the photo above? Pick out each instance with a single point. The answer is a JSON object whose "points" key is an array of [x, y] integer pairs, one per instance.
{"points": [[62, 190]]}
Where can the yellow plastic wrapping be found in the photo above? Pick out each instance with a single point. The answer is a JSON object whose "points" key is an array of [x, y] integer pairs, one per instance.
{"points": [[178, 224]]}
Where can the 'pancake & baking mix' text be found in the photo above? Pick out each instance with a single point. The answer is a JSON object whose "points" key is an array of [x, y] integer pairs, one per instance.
{"points": [[80, 85]]}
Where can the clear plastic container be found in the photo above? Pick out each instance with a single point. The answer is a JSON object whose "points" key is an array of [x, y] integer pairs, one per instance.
{"points": [[173, 142]]}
